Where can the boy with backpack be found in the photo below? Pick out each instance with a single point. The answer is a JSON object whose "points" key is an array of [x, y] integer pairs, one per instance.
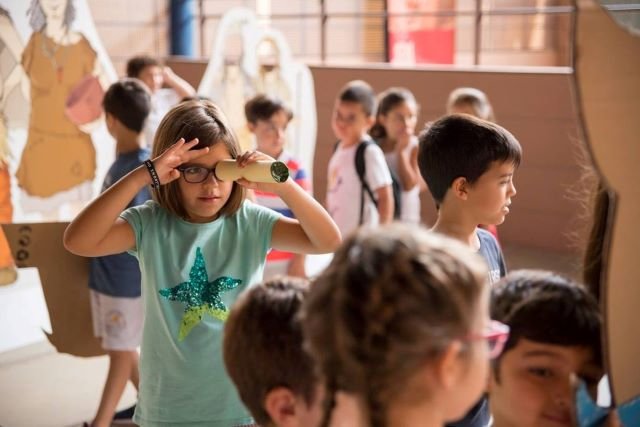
{"points": [[367, 182]]}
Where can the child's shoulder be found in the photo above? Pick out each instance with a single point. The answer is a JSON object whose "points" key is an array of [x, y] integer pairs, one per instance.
{"points": [[486, 238], [150, 209], [489, 245], [125, 163]]}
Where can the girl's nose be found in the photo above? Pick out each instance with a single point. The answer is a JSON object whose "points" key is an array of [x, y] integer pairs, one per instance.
{"points": [[210, 179]]}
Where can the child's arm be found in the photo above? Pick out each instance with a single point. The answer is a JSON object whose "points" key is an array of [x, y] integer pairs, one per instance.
{"points": [[408, 171], [297, 266], [385, 204], [177, 83], [98, 230], [313, 230]]}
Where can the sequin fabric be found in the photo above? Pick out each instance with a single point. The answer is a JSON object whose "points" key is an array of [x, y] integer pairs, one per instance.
{"points": [[200, 295]]}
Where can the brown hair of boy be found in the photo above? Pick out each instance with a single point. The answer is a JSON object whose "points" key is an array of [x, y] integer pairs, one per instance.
{"points": [[263, 107], [136, 64], [263, 344], [359, 92], [548, 308], [472, 99]]}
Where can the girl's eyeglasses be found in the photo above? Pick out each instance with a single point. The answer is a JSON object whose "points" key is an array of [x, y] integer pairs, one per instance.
{"points": [[496, 335], [196, 174]]}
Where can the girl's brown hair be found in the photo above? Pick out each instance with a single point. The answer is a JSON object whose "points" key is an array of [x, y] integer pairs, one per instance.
{"points": [[392, 299], [195, 119]]}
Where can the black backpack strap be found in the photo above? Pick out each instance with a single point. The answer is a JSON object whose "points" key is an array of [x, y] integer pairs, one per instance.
{"points": [[361, 171]]}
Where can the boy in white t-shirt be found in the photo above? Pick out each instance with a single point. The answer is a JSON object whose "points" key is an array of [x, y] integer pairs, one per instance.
{"points": [[349, 201], [167, 89]]}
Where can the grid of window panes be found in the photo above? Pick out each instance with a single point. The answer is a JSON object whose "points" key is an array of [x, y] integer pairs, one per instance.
{"points": [[343, 32]]}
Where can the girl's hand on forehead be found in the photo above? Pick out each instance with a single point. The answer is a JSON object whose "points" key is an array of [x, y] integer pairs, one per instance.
{"points": [[166, 164]]}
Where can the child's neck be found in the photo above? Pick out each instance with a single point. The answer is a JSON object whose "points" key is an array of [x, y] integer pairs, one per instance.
{"points": [[352, 142], [423, 415], [272, 153], [128, 142], [454, 224], [387, 144]]}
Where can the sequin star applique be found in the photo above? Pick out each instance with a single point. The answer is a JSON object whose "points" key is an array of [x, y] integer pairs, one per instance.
{"points": [[200, 295]]}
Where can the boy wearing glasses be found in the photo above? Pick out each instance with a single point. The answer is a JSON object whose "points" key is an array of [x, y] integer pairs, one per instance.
{"points": [[468, 165], [115, 280], [354, 200], [554, 335], [268, 118]]}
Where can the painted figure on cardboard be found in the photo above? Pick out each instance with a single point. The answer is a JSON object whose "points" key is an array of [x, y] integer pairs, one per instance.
{"points": [[226, 81], [13, 83], [248, 59], [274, 72], [58, 163]]}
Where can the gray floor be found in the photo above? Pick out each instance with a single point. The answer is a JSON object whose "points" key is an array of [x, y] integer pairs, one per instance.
{"points": [[39, 387]]}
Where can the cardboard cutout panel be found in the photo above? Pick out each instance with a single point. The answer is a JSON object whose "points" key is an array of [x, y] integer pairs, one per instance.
{"points": [[64, 278], [62, 150], [54, 145], [248, 59], [608, 85]]}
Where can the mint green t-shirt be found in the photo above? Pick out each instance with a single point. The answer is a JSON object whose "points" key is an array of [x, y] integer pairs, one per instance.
{"points": [[191, 276]]}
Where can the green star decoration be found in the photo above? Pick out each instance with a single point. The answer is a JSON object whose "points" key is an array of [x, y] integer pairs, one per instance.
{"points": [[200, 295]]}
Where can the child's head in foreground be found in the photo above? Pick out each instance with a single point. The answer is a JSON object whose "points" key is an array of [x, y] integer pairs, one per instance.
{"points": [[468, 100], [468, 164], [264, 356], [400, 320], [268, 118], [197, 196], [554, 334], [353, 112], [127, 104]]}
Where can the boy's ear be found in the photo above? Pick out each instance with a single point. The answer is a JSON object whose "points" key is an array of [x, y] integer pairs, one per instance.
{"points": [[280, 404], [109, 119], [251, 127], [449, 367], [460, 187], [370, 121]]}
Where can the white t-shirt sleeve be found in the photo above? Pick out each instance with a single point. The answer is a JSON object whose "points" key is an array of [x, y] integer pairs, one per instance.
{"points": [[376, 167]]}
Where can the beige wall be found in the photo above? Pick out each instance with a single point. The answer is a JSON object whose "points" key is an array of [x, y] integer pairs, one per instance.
{"points": [[536, 107], [129, 28]]}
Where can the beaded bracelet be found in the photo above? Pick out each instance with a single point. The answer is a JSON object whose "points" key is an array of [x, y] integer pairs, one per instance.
{"points": [[155, 181]]}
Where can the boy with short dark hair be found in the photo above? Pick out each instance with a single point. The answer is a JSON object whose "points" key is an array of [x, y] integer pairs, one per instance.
{"points": [[115, 280], [468, 165], [555, 327], [264, 355], [369, 184], [268, 118], [156, 77]]}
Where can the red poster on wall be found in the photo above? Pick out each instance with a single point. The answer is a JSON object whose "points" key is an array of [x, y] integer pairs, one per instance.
{"points": [[418, 35]]}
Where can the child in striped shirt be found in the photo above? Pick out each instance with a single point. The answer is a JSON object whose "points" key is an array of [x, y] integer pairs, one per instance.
{"points": [[267, 118]]}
